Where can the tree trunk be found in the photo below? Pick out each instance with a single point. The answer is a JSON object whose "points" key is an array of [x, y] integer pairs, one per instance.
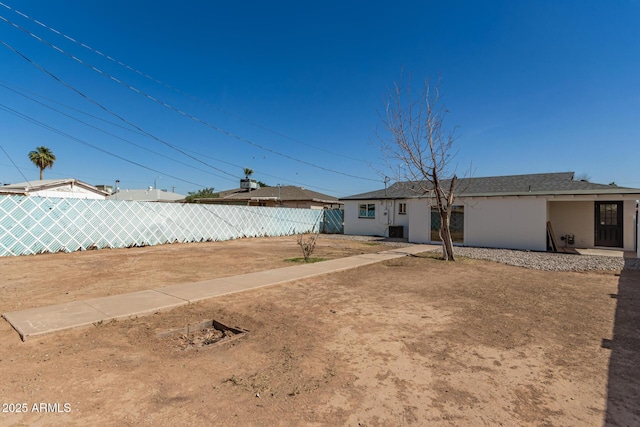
{"points": [[445, 236], [41, 170]]}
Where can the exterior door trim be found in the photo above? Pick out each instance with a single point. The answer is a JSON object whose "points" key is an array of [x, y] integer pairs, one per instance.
{"points": [[608, 224]]}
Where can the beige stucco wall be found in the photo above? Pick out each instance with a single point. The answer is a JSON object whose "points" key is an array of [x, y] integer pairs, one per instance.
{"points": [[512, 223], [578, 218], [575, 218]]}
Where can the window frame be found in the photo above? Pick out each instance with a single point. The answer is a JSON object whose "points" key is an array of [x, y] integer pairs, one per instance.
{"points": [[368, 208], [457, 235], [402, 208]]}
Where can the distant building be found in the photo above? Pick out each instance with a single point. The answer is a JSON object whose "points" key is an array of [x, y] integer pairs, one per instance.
{"points": [[64, 188], [288, 196], [148, 195], [105, 188]]}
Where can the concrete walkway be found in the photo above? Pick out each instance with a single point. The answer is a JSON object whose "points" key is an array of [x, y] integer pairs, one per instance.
{"points": [[44, 320]]}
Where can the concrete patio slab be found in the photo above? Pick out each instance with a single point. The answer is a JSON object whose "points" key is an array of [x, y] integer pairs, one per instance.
{"points": [[54, 318], [605, 252]]}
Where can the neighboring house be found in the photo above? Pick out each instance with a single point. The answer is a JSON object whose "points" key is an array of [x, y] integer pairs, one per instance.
{"points": [[504, 212], [148, 195], [287, 196], [65, 188]]}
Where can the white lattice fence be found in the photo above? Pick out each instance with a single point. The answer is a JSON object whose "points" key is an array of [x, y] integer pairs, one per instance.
{"points": [[31, 225]]}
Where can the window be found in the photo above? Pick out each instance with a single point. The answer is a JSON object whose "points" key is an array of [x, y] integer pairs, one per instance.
{"points": [[367, 210], [402, 208]]}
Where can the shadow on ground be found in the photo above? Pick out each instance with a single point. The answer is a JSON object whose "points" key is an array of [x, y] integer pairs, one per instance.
{"points": [[623, 389]]}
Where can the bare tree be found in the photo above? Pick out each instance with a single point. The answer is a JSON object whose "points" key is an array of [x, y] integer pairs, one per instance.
{"points": [[418, 145], [307, 245]]}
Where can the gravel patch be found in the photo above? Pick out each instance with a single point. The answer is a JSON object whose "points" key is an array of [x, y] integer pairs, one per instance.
{"points": [[548, 260]]}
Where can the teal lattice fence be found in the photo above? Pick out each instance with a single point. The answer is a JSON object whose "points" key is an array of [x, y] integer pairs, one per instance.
{"points": [[31, 225], [332, 221]]}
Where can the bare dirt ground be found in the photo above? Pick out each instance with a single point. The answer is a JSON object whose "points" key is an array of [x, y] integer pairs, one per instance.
{"points": [[412, 341]]}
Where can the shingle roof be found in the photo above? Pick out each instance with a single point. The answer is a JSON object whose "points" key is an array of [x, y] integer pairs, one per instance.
{"points": [[153, 195], [285, 193], [510, 185]]}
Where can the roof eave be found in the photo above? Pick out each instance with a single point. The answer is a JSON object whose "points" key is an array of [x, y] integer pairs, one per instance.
{"points": [[618, 191], [594, 192]]}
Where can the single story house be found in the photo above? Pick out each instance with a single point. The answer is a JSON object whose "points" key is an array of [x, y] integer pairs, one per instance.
{"points": [[65, 188], [515, 212], [287, 196], [146, 195]]}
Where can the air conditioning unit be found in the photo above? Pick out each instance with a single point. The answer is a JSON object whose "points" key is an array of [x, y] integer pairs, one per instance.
{"points": [[248, 184], [396, 231]]}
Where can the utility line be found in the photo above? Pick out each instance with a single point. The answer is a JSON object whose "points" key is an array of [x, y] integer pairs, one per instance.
{"points": [[52, 129], [179, 91], [102, 107], [14, 164], [113, 135], [274, 176], [66, 175], [80, 141], [6, 86], [164, 104], [21, 90]]}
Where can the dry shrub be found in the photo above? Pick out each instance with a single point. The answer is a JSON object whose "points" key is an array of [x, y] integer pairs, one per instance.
{"points": [[307, 243]]}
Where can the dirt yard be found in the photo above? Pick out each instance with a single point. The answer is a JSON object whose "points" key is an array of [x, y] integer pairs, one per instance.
{"points": [[412, 341]]}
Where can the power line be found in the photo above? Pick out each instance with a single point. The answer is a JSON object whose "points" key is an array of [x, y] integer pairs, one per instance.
{"points": [[83, 177], [113, 135], [14, 164], [80, 141], [179, 91], [21, 90], [102, 107], [273, 176], [162, 103]]}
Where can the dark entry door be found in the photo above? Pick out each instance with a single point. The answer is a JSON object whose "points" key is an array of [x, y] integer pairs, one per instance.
{"points": [[609, 224]]}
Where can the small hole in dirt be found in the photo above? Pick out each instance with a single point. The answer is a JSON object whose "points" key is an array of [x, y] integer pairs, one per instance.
{"points": [[203, 334]]}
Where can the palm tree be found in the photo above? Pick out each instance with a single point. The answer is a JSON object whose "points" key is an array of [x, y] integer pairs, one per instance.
{"points": [[248, 172], [43, 158]]}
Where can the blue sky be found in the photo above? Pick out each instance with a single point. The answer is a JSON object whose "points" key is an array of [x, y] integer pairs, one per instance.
{"points": [[533, 86]]}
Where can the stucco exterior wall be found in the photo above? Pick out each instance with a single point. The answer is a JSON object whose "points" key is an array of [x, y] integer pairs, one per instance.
{"points": [[400, 219], [577, 218], [511, 223], [629, 224], [386, 214], [419, 213]]}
